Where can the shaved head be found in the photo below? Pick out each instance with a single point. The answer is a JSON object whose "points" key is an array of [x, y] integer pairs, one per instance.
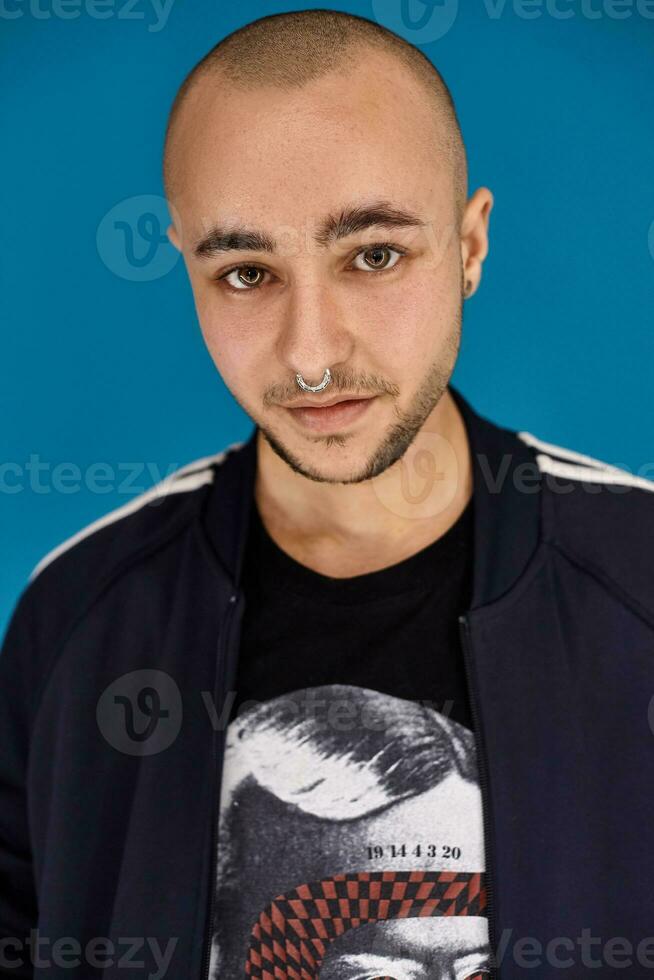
{"points": [[288, 50], [316, 181]]}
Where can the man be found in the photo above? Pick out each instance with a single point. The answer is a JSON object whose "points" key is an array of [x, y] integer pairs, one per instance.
{"points": [[375, 534]]}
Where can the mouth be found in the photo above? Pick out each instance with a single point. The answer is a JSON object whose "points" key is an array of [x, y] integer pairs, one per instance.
{"points": [[328, 417]]}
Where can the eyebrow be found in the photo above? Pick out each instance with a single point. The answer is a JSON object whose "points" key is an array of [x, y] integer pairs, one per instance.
{"points": [[376, 960], [332, 228]]}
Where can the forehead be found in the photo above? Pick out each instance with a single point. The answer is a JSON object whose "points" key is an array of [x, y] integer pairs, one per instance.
{"points": [[377, 949], [289, 155]]}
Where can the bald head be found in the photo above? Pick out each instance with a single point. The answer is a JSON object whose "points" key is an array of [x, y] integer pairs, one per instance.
{"points": [[288, 50]]}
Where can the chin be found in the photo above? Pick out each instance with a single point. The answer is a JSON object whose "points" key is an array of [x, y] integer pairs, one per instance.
{"points": [[315, 467], [333, 459]]}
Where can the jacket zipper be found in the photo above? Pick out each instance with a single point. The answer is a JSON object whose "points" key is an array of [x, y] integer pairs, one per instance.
{"points": [[222, 649], [466, 643]]}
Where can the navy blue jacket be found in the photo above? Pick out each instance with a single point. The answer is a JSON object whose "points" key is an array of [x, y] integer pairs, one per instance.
{"points": [[107, 839]]}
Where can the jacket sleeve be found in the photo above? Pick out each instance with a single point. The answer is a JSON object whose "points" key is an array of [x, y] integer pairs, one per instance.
{"points": [[18, 900]]}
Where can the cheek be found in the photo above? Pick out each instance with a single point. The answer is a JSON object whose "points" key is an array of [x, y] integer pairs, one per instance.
{"points": [[410, 326], [235, 348], [235, 356]]}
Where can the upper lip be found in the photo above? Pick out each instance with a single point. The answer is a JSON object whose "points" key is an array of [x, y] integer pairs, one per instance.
{"points": [[305, 403]]}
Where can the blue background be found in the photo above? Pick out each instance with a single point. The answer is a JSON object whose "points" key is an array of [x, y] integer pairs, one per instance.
{"points": [[97, 367]]}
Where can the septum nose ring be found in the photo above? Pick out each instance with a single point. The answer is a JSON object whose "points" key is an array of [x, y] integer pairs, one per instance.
{"points": [[323, 384]]}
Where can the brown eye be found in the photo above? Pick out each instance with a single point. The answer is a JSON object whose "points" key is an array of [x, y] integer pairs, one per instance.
{"points": [[243, 277], [377, 258], [250, 275]]}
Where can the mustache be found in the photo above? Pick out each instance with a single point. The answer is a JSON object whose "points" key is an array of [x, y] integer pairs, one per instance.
{"points": [[343, 384]]}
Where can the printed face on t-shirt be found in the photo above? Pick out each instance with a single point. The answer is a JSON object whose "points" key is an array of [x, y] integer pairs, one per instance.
{"points": [[409, 949], [350, 842]]}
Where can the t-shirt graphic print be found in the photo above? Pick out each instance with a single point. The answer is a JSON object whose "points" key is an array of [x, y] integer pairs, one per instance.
{"points": [[350, 842]]}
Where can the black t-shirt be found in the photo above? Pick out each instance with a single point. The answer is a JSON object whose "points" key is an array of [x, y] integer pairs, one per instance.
{"points": [[395, 629], [350, 837]]}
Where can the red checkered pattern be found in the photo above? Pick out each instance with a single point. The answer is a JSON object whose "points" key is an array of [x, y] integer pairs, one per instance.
{"points": [[292, 934]]}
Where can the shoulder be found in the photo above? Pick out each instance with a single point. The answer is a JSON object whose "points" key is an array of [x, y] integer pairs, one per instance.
{"points": [[69, 575], [148, 516], [600, 515], [68, 579]]}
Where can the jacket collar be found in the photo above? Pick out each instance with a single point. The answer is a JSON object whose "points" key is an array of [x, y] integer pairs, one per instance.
{"points": [[506, 504]]}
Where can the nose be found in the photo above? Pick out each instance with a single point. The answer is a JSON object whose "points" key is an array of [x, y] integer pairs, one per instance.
{"points": [[316, 334]]}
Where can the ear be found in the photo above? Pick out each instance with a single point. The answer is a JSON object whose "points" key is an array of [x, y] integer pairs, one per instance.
{"points": [[474, 236], [173, 237]]}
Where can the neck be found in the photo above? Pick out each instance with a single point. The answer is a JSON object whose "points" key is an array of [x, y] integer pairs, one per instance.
{"points": [[346, 529]]}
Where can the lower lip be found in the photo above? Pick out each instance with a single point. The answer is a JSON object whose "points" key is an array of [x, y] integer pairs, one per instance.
{"points": [[332, 416]]}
